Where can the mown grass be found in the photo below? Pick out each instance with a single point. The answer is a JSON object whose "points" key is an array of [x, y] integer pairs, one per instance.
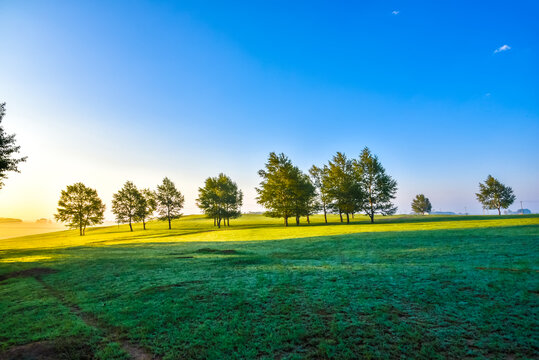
{"points": [[410, 287]]}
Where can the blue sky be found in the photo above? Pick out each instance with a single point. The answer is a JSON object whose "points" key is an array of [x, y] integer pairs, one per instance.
{"points": [[108, 91]]}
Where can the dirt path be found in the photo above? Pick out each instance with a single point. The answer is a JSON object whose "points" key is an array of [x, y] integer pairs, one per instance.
{"points": [[111, 332]]}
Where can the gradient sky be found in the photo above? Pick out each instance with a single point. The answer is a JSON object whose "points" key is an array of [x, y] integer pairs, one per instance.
{"points": [[102, 92]]}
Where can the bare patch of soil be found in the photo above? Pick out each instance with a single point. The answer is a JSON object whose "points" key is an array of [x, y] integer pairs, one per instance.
{"points": [[33, 272], [50, 350]]}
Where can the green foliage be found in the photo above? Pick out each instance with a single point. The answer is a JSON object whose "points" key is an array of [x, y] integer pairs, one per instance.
{"points": [[127, 204], [80, 206], [421, 205], [220, 199], [378, 188], [495, 195], [284, 190], [8, 149], [324, 199], [169, 201], [342, 186], [147, 206]]}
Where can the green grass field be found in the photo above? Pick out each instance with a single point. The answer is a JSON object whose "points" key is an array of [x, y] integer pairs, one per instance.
{"points": [[405, 287]]}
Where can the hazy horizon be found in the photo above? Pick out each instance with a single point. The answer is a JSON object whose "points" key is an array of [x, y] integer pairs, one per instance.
{"points": [[103, 93]]}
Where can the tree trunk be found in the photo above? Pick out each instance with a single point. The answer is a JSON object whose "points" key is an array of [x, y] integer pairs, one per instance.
{"points": [[499, 211], [130, 226], [227, 221], [352, 215], [214, 221], [308, 220], [143, 223], [340, 214], [347, 218], [325, 214], [80, 230], [371, 215], [286, 221], [297, 220], [169, 226]]}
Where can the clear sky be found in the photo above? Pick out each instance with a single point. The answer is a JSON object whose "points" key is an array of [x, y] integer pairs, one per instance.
{"points": [[102, 92]]}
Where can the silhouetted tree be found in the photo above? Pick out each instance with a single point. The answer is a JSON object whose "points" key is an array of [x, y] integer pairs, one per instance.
{"points": [[377, 187], [495, 195], [80, 206], [220, 199], [7, 150], [126, 204], [421, 205], [169, 201], [147, 206]]}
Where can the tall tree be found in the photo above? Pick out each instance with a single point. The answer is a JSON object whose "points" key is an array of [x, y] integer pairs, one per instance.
{"points": [[378, 187], [169, 201], [80, 206], [421, 205], [342, 186], [220, 199], [281, 189], [495, 195], [126, 204], [317, 175], [7, 150], [147, 206]]}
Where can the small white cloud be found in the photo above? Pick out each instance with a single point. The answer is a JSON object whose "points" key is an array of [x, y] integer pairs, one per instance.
{"points": [[395, 12], [502, 48]]}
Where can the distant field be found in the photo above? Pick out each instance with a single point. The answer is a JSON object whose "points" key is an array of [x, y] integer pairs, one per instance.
{"points": [[407, 286], [9, 229]]}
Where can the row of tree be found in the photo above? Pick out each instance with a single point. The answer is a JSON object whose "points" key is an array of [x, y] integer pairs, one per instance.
{"points": [[343, 186], [80, 206]]}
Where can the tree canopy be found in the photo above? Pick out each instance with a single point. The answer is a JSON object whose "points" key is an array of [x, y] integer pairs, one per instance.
{"points": [[378, 187], [147, 206], [421, 205], [284, 190], [220, 199], [8, 149], [495, 195], [127, 204], [80, 206], [169, 201]]}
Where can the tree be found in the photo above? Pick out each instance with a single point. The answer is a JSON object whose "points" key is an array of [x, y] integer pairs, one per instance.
{"points": [[169, 201], [317, 175], [7, 150], [126, 204], [342, 185], [80, 206], [283, 190], [378, 187], [147, 206], [220, 199], [421, 205], [495, 195], [305, 203]]}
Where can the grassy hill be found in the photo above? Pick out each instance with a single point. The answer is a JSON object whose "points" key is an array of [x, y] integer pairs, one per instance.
{"points": [[406, 286]]}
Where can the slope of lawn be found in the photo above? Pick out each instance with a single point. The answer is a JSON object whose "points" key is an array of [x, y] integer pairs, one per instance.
{"points": [[406, 286]]}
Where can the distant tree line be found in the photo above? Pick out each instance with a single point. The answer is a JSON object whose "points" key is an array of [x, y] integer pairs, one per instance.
{"points": [[343, 186]]}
